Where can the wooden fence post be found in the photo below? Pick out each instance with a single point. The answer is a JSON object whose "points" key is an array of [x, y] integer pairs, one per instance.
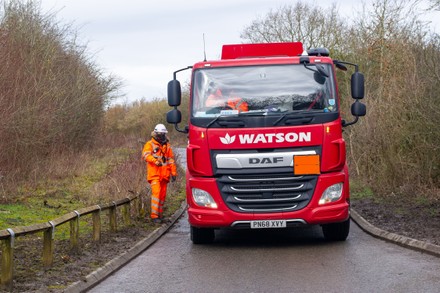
{"points": [[7, 261], [136, 206], [96, 216], [142, 206], [74, 232], [48, 246], [126, 213], [112, 217]]}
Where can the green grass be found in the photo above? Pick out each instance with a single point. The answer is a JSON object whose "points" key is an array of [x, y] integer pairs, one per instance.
{"points": [[18, 215], [360, 191], [173, 202], [15, 215], [52, 198]]}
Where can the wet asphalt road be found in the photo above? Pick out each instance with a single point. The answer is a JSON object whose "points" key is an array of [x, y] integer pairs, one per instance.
{"points": [[275, 261]]}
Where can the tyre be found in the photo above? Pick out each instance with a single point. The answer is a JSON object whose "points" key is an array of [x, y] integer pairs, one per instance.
{"points": [[202, 235], [336, 231]]}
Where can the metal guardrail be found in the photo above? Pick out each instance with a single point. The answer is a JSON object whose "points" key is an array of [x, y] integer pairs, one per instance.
{"points": [[7, 236]]}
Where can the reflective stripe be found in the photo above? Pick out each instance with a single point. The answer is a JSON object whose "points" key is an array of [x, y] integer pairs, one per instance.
{"points": [[155, 146]]}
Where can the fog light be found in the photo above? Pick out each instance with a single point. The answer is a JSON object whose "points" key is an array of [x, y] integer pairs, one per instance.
{"points": [[331, 194], [203, 198]]}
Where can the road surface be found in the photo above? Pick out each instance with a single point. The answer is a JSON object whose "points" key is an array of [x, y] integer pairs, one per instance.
{"points": [[275, 261]]}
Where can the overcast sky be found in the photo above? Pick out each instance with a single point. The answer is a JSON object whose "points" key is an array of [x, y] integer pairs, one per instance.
{"points": [[144, 41]]}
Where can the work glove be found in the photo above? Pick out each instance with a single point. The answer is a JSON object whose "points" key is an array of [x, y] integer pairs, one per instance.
{"points": [[173, 178], [158, 163]]}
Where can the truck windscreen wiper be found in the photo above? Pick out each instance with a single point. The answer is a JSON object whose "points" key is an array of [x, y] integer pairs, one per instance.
{"points": [[227, 122], [300, 117], [214, 120], [238, 123]]}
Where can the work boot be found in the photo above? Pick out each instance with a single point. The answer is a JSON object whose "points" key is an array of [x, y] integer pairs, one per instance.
{"points": [[157, 221]]}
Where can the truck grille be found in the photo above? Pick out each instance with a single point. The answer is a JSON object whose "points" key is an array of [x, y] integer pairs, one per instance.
{"points": [[266, 193]]}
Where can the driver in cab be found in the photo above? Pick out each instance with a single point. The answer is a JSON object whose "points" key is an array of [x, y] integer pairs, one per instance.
{"points": [[225, 99]]}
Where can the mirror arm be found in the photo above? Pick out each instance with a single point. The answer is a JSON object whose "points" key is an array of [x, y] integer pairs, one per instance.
{"points": [[184, 130], [356, 67], [177, 71], [344, 123]]}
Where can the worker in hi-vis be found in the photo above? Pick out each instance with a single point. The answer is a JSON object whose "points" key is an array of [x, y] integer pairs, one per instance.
{"points": [[161, 168]]}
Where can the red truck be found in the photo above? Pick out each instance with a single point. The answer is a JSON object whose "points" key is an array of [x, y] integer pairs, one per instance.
{"points": [[278, 160]]}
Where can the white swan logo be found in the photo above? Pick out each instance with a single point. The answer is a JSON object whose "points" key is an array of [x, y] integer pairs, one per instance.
{"points": [[227, 139]]}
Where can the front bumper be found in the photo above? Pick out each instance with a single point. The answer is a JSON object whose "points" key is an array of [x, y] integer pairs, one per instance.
{"points": [[312, 214]]}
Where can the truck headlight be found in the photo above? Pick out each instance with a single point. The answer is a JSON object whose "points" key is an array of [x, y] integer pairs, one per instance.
{"points": [[331, 194], [203, 198]]}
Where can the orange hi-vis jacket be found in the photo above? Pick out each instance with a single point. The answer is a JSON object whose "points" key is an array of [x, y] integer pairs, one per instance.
{"points": [[154, 151], [233, 102], [237, 103]]}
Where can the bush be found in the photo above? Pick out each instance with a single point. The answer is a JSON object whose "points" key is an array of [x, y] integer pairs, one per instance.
{"points": [[52, 96], [137, 120]]}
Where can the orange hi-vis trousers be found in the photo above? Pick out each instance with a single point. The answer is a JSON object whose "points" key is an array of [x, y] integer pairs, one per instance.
{"points": [[158, 195]]}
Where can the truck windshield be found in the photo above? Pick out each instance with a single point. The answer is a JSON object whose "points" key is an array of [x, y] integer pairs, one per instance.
{"points": [[262, 90]]}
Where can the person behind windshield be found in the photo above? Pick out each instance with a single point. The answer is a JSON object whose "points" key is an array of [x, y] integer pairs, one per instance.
{"points": [[237, 103], [226, 99], [215, 98]]}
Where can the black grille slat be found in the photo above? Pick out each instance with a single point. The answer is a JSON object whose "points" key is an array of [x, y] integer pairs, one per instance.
{"points": [[266, 193], [272, 208], [248, 178]]}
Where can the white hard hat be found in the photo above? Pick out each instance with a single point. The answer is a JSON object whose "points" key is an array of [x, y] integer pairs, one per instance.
{"points": [[160, 128]]}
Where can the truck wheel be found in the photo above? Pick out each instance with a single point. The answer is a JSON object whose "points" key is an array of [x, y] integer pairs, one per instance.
{"points": [[202, 235], [336, 231]]}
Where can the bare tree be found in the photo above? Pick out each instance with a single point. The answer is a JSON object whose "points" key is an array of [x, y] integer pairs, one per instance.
{"points": [[435, 4], [52, 94], [400, 58], [312, 25]]}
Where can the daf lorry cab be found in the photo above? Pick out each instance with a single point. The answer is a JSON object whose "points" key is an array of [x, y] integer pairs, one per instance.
{"points": [[265, 146]]}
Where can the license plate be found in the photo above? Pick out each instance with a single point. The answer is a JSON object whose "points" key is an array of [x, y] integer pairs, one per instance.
{"points": [[264, 224]]}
